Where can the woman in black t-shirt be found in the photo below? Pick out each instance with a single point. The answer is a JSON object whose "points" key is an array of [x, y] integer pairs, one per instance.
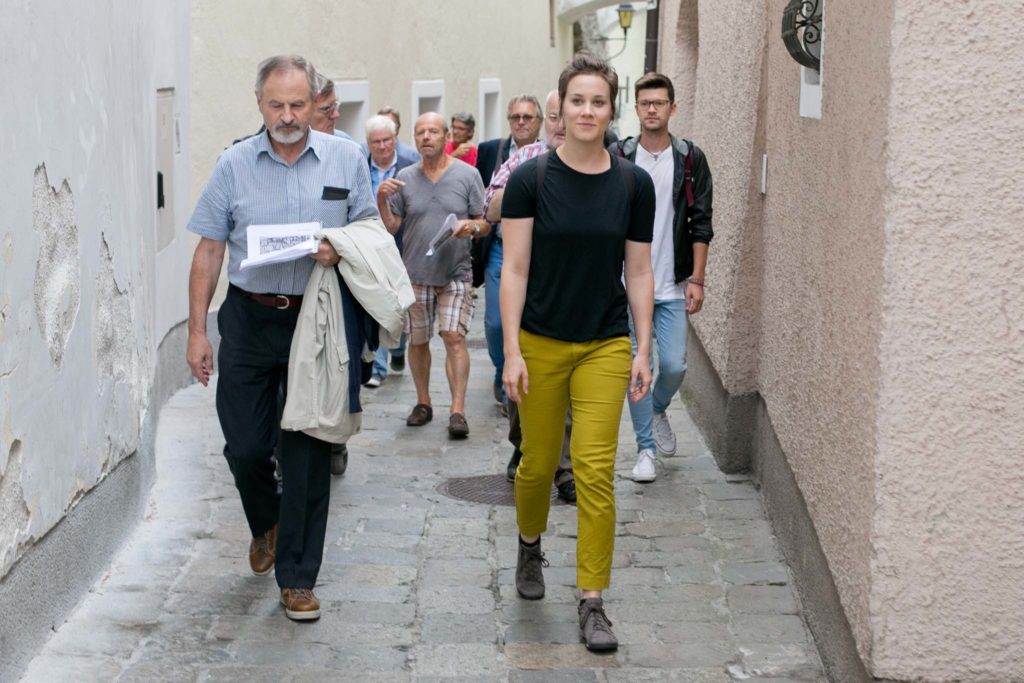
{"points": [[570, 219]]}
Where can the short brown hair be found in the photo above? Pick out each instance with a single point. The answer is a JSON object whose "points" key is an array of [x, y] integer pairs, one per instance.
{"points": [[651, 80], [388, 110], [584, 63]]}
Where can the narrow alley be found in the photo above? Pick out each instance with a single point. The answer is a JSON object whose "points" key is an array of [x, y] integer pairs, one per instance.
{"points": [[418, 586]]}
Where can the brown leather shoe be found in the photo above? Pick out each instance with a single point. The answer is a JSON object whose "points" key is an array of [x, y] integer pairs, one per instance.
{"points": [[300, 604], [420, 415], [458, 428], [261, 552]]}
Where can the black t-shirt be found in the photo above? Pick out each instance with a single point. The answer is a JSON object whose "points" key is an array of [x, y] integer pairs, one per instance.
{"points": [[580, 226]]}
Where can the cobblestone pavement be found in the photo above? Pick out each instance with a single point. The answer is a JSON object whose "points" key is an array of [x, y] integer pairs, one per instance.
{"points": [[417, 586]]}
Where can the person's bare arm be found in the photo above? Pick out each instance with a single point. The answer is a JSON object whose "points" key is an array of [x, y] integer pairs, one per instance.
{"points": [[494, 207], [517, 239], [695, 290], [202, 282], [465, 228], [640, 294], [389, 187]]}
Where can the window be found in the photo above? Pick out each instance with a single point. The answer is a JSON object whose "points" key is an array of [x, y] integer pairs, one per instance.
{"points": [[489, 125], [353, 107], [427, 96]]}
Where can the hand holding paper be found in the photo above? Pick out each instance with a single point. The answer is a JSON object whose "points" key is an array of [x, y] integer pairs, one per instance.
{"points": [[451, 222], [280, 243]]}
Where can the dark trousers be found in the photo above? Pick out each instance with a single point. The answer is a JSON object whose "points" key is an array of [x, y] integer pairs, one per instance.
{"points": [[252, 361]]}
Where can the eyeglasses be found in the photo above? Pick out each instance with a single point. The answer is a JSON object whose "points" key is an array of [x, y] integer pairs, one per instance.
{"points": [[329, 109], [521, 118], [382, 143], [657, 104]]}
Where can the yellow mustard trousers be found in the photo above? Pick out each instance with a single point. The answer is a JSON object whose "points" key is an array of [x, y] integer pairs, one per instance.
{"points": [[593, 377]]}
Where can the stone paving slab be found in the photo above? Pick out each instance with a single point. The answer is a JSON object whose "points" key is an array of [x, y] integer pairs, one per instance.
{"points": [[418, 587]]}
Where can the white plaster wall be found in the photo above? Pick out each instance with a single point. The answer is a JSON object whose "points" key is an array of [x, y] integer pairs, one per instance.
{"points": [[948, 564], [81, 314], [390, 44]]}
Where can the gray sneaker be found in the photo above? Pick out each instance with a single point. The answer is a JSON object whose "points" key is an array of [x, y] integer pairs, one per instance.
{"points": [[529, 571], [595, 626], [664, 437]]}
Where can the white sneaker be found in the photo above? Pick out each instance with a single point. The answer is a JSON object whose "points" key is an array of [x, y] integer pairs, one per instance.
{"points": [[663, 435], [644, 472], [374, 381]]}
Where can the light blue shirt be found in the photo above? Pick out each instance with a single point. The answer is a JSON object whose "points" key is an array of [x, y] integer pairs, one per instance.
{"points": [[252, 185], [378, 175]]}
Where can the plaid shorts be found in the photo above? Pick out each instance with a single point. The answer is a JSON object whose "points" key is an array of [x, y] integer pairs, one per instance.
{"points": [[452, 305]]}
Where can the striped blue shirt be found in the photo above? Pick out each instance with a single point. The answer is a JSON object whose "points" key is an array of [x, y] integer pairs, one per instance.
{"points": [[252, 185]]}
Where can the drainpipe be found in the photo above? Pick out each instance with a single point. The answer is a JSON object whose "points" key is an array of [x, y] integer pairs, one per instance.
{"points": [[651, 46]]}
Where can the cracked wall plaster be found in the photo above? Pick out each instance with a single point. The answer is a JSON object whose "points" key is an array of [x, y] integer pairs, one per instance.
{"points": [[14, 513], [113, 327], [58, 275]]}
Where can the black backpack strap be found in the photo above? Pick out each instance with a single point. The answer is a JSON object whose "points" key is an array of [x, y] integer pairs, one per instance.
{"points": [[628, 179], [542, 167]]}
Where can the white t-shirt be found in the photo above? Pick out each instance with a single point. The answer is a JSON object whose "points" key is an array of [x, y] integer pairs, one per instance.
{"points": [[661, 167]]}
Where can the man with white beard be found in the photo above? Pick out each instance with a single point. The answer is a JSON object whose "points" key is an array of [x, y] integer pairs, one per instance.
{"points": [[286, 174]]}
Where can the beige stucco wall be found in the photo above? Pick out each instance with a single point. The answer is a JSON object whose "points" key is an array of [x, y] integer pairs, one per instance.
{"points": [[870, 298], [821, 293], [948, 595], [722, 121], [388, 43]]}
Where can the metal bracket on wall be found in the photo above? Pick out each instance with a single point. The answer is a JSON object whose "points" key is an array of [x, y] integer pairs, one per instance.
{"points": [[801, 32]]}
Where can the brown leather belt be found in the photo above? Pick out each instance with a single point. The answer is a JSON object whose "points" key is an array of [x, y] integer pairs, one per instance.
{"points": [[278, 301]]}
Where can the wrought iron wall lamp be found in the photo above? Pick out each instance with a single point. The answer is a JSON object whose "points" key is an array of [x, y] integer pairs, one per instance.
{"points": [[801, 32]]}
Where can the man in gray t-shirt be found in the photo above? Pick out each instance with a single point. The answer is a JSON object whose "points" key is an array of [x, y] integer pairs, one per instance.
{"points": [[418, 200]]}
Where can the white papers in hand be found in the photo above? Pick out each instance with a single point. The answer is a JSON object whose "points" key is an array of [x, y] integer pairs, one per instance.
{"points": [[280, 243], [450, 223]]}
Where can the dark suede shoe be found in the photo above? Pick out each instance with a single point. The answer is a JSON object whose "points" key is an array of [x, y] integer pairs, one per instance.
{"points": [[339, 459], [458, 428], [530, 572], [567, 491], [499, 391], [261, 552], [300, 604], [513, 464], [397, 363], [420, 415], [596, 627]]}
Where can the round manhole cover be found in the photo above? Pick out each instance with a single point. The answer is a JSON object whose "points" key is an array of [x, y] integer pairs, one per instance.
{"points": [[489, 489]]}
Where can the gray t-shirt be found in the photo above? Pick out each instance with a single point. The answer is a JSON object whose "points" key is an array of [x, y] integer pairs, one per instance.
{"points": [[423, 206]]}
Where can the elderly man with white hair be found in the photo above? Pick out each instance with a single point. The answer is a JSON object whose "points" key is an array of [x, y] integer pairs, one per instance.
{"points": [[385, 162]]}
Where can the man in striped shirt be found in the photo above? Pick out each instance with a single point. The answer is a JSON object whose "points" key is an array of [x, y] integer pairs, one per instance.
{"points": [[286, 174]]}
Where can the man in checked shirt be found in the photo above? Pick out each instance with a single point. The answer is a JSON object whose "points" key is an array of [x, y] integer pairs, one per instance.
{"points": [[554, 136]]}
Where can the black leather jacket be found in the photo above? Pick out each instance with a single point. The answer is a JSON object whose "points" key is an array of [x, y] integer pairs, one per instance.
{"points": [[690, 224]]}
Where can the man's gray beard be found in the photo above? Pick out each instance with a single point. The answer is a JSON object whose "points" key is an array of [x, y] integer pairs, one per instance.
{"points": [[286, 139]]}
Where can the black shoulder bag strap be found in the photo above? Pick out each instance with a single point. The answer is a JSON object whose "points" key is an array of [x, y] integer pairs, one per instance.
{"points": [[498, 161]]}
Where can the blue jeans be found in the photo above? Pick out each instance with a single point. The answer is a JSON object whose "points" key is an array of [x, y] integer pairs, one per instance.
{"points": [[492, 311], [669, 332], [380, 363]]}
